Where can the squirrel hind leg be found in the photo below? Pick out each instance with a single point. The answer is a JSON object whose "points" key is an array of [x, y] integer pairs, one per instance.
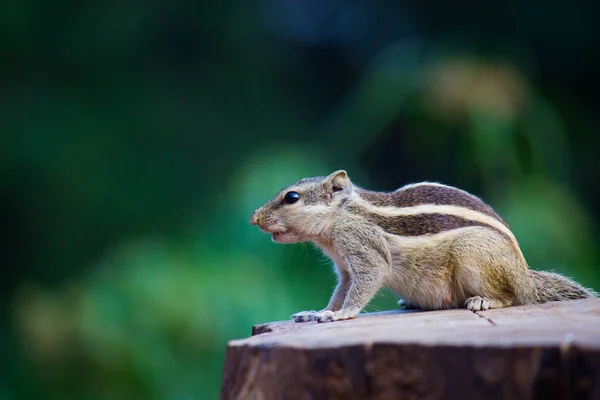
{"points": [[487, 272], [478, 303]]}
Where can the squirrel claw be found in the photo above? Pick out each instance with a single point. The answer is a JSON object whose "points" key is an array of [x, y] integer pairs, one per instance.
{"points": [[304, 316], [324, 316], [340, 315]]}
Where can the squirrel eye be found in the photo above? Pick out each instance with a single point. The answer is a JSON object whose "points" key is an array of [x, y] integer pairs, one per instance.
{"points": [[291, 197]]}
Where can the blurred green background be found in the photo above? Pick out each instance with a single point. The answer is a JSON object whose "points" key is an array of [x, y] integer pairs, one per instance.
{"points": [[138, 137]]}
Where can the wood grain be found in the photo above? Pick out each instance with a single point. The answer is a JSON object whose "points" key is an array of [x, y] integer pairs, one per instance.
{"points": [[548, 351]]}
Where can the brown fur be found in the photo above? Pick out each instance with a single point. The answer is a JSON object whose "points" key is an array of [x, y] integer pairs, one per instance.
{"points": [[425, 193], [557, 287], [419, 224], [457, 257]]}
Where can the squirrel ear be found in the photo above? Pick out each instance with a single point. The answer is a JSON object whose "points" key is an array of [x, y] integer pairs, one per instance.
{"points": [[337, 181]]}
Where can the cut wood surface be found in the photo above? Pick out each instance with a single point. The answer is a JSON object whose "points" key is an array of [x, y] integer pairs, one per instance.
{"points": [[548, 351]]}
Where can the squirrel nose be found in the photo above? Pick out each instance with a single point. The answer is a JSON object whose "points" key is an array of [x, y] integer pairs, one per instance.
{"points": [[254, 218]]}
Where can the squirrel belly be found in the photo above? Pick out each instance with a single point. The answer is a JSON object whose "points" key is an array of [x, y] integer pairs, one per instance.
{"points": [[434, 245]]}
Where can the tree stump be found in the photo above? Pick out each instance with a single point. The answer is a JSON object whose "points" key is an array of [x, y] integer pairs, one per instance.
{"points": [[548, 351]]}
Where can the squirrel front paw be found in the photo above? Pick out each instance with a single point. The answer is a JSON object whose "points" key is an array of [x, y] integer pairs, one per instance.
{"points": [[304, 316], [325, 316]]}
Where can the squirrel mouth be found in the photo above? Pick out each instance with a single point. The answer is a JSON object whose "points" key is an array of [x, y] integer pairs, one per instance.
{"points": [[279, 234], [283, 237]]}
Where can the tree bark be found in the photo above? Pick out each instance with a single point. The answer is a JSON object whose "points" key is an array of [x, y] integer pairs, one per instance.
{"points": [[548, 351]]}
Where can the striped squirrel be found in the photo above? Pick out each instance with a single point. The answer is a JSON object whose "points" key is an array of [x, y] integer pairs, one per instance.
{"points": [[434, 245]]}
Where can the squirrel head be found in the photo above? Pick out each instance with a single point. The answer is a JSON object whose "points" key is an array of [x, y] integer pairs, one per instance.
{"points": [[302, 211]]}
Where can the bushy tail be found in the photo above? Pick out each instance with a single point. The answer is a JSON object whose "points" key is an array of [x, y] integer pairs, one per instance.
{"points": [[555, 287]]}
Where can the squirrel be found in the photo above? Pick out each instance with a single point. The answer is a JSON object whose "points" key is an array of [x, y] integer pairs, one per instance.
{"points": [[434, 245]]}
